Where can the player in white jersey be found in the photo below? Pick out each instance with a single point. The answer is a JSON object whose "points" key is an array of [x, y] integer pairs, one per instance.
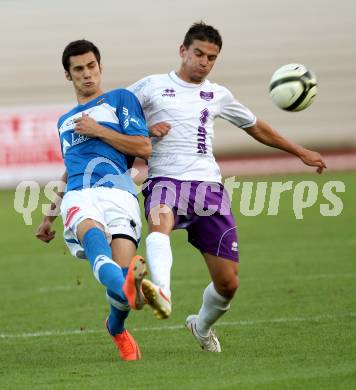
{"points": [[184, 189], [186, 152], [100, 138]]}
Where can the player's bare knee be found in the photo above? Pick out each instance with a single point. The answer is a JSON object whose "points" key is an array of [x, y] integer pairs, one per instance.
{"points": [[86, 225], [231, 288], [228, 287]]}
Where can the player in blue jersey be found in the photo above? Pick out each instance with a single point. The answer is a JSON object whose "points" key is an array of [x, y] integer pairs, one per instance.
{"points": [[100, 139]]}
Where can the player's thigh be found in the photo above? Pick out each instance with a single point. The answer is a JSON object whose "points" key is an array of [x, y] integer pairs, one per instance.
{"points": [[161, 219], [161, 197], [80, 214], [123, 221], [224, 274], [123, 250]]}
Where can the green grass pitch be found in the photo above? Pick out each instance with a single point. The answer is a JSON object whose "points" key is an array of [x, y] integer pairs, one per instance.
{"points": [[292, 324]]}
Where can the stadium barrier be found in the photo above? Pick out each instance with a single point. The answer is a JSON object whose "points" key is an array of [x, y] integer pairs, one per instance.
{"points": [[29, 145], [29, 150]]}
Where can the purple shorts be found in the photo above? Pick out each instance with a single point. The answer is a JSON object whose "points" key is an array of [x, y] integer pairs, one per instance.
{"points": [[202, 208]]}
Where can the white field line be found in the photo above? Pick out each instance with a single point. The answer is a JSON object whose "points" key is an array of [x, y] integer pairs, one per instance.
{"points": [[298, 277], [283, 320], [325, 276], [351, 275]]}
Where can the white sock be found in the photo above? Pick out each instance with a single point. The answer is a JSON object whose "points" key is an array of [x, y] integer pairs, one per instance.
{"points": [[159, 258], [213, 307]]}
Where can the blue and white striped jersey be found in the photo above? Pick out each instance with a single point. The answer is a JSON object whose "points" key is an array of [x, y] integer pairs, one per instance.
{"points": [[90, 162]]}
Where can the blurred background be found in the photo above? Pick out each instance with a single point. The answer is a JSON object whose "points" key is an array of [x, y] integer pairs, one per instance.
{"points": [[141, 38]]}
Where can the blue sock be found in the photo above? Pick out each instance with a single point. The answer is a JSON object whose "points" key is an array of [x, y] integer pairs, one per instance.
{"points": [[99, 254], [119, 310]]}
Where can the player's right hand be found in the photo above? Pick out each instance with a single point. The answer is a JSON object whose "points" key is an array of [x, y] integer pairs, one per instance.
{"points": [[44, 231], [160, 129], [85, 125], [313, 159]]}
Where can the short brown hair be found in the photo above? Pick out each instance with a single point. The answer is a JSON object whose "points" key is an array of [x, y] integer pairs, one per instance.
{"points": [[77, 48], [202, 32]]}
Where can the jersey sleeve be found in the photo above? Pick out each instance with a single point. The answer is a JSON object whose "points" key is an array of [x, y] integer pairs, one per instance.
{"points": [[235, 112], [139, 89], [131, 116]]}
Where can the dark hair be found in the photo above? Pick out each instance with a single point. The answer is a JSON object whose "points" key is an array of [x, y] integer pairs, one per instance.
{"points": [[77, 48], [202, 32]]}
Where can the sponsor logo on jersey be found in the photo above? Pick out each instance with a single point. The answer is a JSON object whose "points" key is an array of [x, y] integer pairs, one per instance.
{"points": [[206, 95], [202, 133], [78, 139], [170, 92]]}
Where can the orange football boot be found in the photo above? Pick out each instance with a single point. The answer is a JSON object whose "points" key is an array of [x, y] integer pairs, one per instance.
{"points": [[133, 283], [126, 344]]}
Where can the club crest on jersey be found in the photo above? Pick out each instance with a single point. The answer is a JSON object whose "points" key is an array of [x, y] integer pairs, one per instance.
{"points": [[206, 95], [170, 92]]}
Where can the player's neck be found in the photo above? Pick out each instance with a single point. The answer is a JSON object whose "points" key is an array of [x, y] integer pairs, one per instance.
{"points": [[83, 99], [185, 77]]}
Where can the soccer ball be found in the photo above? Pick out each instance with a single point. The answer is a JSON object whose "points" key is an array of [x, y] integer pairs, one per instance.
{"points": [[293, 87]]}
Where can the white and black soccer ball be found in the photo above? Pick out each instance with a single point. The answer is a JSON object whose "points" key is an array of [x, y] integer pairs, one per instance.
{"points": [[293, 87]]}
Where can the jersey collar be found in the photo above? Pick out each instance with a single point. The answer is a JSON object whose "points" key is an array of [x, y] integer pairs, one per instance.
{"points": [[183, 83]]}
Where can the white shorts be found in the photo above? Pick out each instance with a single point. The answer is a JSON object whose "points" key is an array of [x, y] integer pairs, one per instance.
{"points": [[117, 211]]}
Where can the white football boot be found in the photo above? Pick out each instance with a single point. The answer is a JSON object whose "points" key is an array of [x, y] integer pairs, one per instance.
{"points": [[160, 303], [209, 343]]}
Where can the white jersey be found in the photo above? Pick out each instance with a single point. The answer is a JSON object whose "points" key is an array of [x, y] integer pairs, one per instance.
{"points": [[186, 152]]}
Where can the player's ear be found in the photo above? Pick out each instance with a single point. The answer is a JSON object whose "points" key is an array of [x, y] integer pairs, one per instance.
{"points": [[182, 50], [68, 76], [101, 67]]}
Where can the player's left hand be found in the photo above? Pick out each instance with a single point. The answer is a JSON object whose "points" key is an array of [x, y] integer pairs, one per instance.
{"points": [[85, 125], [313, 159]]}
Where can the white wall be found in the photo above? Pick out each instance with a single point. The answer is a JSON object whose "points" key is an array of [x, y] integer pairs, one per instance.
{"points": [[140, 38]]}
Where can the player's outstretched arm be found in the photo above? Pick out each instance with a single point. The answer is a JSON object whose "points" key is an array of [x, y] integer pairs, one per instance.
{"points": [[265, 134], [44, 231]]}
